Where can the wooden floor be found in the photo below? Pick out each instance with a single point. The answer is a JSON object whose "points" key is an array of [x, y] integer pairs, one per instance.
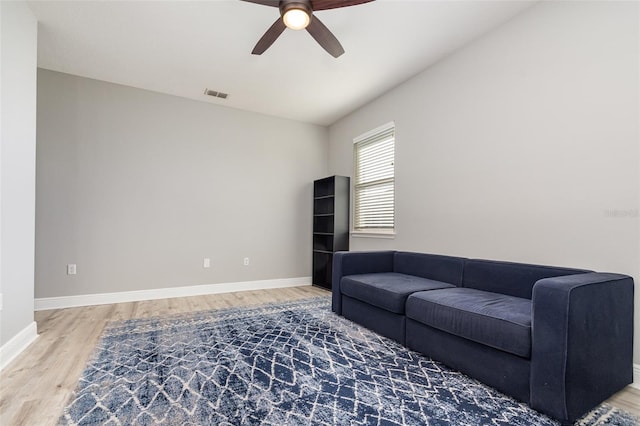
{"points": [[35, 387]]}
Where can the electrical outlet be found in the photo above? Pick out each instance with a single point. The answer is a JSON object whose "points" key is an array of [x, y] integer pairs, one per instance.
{"points": [[206, 263], [71, 269], [246, 261]]}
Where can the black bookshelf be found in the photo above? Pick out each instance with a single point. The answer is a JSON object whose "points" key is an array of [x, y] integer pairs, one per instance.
{"points": [[330, 225]]}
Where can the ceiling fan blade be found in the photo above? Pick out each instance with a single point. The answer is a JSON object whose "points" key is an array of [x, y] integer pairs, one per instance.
{"points": [[334, 4], [324, 37], [269, 37], [274, 3]]}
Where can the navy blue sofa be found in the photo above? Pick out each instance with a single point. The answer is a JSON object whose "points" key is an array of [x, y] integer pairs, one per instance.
{"points": [[558, 339]]}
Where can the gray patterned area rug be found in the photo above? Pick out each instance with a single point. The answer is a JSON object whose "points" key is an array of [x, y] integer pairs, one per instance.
{"points": [[295, 363]]}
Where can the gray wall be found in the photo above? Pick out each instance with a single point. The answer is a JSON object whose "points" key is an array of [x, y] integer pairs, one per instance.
{"points": [[523, 146], [18, 35], [137, 188]]}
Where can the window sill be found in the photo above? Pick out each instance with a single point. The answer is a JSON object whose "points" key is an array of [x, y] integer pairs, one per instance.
{"points": [[374, 234]]}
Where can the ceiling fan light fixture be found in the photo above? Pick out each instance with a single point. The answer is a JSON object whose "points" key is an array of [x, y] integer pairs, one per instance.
{"points": [[296, 19]]}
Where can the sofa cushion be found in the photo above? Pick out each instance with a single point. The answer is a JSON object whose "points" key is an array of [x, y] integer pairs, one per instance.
{"points": [[497, 320], [513, 279], [386, 290], [432, 266]]}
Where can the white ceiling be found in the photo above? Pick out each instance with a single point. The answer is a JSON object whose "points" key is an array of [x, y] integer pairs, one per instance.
{"points": [[183, 47]]}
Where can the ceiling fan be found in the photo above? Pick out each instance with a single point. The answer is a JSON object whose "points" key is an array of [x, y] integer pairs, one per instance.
{"points": [[298, 15]]}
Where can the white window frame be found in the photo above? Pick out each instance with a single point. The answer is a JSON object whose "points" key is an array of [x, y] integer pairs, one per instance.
{"points": [[373, 136]]}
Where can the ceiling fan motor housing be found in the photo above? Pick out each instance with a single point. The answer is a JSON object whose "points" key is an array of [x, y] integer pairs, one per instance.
{"points": [[286, 5]]}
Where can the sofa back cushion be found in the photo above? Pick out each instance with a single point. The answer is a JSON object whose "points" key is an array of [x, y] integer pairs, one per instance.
{"points": [[513, 279], [431, 266]]}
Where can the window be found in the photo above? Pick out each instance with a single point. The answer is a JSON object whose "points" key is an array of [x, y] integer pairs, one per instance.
{"points": [[374, 201]]}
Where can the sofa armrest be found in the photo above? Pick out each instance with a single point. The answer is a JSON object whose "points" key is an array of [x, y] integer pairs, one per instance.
{"points": [[352, 263], [582, 342]]}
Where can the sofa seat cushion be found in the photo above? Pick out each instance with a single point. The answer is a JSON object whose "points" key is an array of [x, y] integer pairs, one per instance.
{"points": [[497, 320], [387, 290]]}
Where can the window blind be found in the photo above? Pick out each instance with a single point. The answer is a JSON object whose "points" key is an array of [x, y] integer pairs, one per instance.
{"points": [[374, 184]]}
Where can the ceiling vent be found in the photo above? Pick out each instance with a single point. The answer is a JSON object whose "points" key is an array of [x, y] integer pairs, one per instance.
{"points": [[216, 94]]}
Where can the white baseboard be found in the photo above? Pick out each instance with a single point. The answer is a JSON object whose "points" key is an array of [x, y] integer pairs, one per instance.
{"points": [[18, 343], [636, 376], [47, 303]]}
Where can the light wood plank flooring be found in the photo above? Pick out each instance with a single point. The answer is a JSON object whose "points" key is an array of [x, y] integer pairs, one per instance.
{"points": [[35, 387]]}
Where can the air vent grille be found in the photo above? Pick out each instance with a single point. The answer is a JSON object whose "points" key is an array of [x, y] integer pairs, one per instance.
{"points": [[216, 94]]}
